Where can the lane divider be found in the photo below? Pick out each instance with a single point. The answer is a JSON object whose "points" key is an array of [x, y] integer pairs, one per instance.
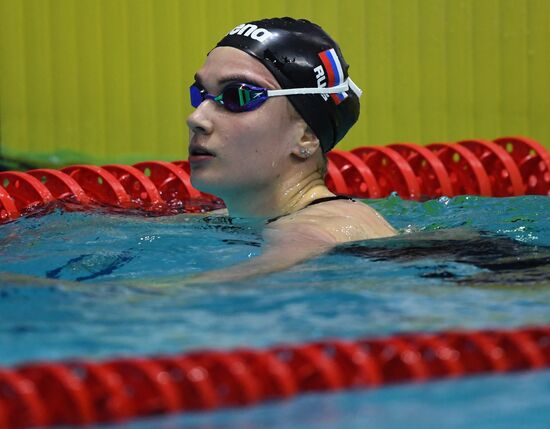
{"points": [[507, 166], [82, 392], [533, 161]]}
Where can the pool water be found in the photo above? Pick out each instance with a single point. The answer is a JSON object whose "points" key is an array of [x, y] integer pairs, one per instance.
{"points": [[465, 262]]}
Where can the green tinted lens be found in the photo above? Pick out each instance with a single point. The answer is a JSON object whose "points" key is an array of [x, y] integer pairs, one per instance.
{"points": [[244, 96]]}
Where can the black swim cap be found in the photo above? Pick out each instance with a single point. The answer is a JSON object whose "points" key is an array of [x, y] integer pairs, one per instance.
{"points": [[300, 54]]}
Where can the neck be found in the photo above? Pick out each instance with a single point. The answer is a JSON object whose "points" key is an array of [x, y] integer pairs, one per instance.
{"points": [[279, 198]]}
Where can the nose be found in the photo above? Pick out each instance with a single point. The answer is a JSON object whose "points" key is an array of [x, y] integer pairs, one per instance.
{"points": [[198, 121]]}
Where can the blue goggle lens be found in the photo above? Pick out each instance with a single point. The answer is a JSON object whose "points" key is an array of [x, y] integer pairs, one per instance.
{"points": [[196, 95], [235, 97]]}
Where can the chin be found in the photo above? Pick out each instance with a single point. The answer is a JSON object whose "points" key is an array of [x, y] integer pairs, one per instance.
{"points": [[204, 182]]}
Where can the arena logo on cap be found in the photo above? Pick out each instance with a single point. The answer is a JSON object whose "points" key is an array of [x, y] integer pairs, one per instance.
{"points": [[334, 72], [252, 31]]}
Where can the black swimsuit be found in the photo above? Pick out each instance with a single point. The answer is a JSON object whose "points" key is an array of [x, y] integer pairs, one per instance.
{"points": [[317, 201]]}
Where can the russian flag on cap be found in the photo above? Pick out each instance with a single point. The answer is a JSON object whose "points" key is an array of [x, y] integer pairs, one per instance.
{"points": [[335, 74]]}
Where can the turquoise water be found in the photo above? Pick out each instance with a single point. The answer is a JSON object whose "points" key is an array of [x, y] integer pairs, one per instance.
{"points": [[466, 262]]}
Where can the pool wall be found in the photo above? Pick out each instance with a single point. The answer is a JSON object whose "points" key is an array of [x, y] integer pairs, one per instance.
{"points": [[106, 81]]}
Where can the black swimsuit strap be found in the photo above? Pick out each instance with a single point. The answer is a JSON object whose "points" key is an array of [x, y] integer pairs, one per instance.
{"points": [[317, 201], [331, 198]]}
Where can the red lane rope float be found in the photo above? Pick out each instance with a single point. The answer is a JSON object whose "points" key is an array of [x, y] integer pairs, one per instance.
{"points": [[8, 210], [85, 392], [393, 173], [503, 172], [274, 377], [142, 191], [62, 186], [20, 404], [148, 387], [194, 387], [532, 160], [468, 177], [106, 389], [100, 185], [507, 167], [357, 175], [68, 402], [27, 192], [430, 172], [174, 185], [334, 180], [231, 380]]}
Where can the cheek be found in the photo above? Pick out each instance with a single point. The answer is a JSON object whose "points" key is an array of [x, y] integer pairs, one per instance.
{"points": [[265, 134], [273, 127], [257, 130]]}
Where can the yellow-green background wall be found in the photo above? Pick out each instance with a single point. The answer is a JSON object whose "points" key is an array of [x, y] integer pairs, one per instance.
{"points": [[106, 80]]}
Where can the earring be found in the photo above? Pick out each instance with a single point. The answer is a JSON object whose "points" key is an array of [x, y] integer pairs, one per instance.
{"points": [[305, 152]]}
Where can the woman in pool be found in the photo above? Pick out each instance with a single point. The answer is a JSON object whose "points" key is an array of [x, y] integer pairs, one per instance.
{"points": [[272, 98], [262, 150]]}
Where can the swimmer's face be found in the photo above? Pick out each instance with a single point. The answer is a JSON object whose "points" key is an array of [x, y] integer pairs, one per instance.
{"points": [[237, 152]]}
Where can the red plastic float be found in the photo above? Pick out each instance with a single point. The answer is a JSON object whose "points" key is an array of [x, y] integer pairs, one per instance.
{"points": [[62, 186], [442, 359], [106, 389], [510, 166], [359, 178], [142, 191], [468, 177], [196, 390], [359, 368], [8, 210], [232, 381], [174, 186], [274, 377], [28, 192], [184, 165], [100, 185], [172, 182], [334, 180], [503, 172], [69, 401], [20, 403], [532, 160], [392, 171], [430, 172], [148, 387], [76, 393]]}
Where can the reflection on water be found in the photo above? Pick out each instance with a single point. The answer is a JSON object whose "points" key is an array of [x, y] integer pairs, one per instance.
{"points": [[504, 261]]}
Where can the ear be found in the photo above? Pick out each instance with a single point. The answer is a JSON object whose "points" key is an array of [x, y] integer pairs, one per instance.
{"points": [[307, 145]]}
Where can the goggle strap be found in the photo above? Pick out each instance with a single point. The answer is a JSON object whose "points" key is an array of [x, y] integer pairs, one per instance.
{"points": [[358, 91], [330, 90]]}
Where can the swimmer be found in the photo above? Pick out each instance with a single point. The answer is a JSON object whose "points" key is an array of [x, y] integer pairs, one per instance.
{"points": [[272, 98]]}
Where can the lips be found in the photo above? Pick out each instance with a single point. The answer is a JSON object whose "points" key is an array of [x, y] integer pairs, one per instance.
{"points": [[199, 153]]}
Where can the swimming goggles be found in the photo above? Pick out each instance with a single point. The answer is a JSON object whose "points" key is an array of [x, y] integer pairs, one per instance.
{"points": [[242, 97]]}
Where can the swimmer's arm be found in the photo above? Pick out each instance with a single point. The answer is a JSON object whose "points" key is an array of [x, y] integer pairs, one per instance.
{"points": [[284, 248]]}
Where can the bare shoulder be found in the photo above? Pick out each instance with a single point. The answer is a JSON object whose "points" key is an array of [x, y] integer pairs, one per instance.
{"points": [[338, 222]]}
